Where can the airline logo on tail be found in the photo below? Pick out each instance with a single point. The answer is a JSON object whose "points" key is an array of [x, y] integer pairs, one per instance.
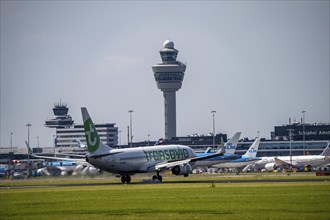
{"points": [[252, 150], [230, 146], [92, 138]]}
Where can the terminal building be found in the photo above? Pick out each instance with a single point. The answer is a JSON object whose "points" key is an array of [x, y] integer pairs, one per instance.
{"points": [[67, 137], [300, 132], [282, 148]]}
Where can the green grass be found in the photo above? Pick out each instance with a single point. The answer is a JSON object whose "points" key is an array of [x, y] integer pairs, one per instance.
{"points": [[294, 200]]}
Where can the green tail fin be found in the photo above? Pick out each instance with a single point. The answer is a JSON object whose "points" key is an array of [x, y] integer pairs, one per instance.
{"points": [[92, 137]]}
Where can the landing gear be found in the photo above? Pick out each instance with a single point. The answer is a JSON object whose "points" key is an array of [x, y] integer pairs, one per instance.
{"points": [[125, 178], [157, 177]]}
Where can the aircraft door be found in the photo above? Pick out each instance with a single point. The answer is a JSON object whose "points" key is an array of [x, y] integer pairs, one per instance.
{"points": [[112, 160]]}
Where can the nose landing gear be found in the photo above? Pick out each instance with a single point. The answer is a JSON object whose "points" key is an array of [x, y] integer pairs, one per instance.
{"points": [[157, 177]]}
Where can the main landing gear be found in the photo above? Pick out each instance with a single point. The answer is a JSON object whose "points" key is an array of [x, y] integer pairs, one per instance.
{"points": [[157, 177], [126, 178]]}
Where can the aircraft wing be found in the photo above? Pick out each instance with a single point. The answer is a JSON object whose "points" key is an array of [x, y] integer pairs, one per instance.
{"points": [[283, 163], [70, 155], [30, 152], [170, 164]]}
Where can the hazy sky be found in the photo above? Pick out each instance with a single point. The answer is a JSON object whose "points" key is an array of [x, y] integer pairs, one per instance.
{"points": [[256, 63]]}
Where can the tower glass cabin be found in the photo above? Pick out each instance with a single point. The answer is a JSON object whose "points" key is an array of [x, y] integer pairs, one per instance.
{"points": [[169, 76]]}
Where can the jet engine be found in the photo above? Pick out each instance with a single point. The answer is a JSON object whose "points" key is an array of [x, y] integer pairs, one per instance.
{"points": [[270, 166], [184, 169]]}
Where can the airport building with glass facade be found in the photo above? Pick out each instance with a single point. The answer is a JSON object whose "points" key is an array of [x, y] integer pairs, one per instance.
{"points": [[67, 137]]}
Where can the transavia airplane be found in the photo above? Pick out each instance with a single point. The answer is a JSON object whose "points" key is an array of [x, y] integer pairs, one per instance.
{"points": [[129, 161], [272, 163]]}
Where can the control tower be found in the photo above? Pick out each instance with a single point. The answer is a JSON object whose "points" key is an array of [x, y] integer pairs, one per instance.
{"points": [[61, 118], [169, 75]]}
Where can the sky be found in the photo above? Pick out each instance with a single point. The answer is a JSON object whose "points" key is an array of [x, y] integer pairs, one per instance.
{"points": [[256, 63]]}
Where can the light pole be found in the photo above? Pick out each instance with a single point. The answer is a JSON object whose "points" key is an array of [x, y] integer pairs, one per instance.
{"points": [[54, 137], [213, 112], [303, 112], [130, 125], [11, 141], [28, 165], [120, 136], [38, 143], [258, 133], [148, 139], [290, 130], [127, 135]]}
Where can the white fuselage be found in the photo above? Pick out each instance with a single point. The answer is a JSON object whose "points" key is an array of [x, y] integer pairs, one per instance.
{"points": [[312, 160], [233, 164], [141, 159]]}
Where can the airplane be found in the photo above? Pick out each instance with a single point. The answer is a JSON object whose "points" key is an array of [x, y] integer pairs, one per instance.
{"points": [[248, 158], [64, 165], [57, 168], [129, 161], [229, 148], [289, 162]]}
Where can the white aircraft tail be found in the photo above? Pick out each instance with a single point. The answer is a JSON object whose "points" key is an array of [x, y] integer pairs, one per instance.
{"points": [[230, 146], [326, 151], [252, 152], [94, 143]]}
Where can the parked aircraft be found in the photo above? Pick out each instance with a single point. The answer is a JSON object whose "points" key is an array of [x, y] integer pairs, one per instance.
{"points": [[57, 168], [64, 165], [248, 158], [288, 162], [229, 146]]}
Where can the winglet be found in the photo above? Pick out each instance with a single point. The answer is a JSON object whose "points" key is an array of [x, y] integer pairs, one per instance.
{"points": [[80, 144], [222, 150], [30, 152], [208, 150]]}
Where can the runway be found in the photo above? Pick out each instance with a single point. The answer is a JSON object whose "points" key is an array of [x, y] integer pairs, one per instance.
{"points": [[150, 182]]}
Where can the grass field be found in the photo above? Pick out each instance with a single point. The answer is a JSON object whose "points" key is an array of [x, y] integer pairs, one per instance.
{"points": [[180, 200]]}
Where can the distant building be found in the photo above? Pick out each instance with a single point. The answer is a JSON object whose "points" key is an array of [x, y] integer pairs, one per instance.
{"points": [[300, 131], [67, 137], [282, 148]]}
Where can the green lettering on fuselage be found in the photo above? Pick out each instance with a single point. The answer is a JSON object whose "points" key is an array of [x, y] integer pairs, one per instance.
{"points": [[172, 154]]}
